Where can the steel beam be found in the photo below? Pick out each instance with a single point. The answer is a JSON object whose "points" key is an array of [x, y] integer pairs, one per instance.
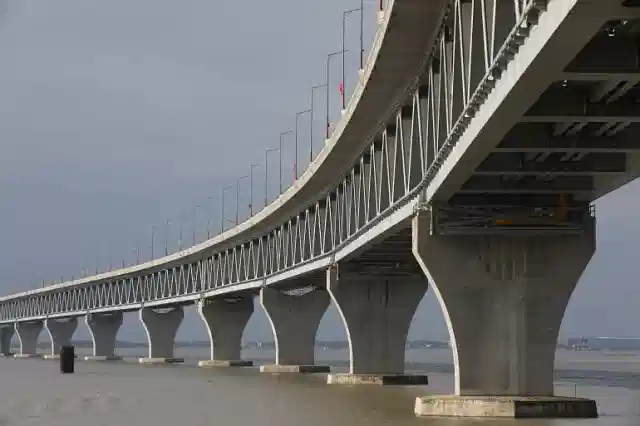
{"points": [[536, 137], [527, 185]]}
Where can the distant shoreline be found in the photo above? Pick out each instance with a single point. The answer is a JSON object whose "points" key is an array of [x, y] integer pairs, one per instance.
{"points": [[417, 344], [331, 345]]}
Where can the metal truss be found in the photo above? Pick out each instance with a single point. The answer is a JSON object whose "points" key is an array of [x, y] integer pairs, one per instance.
{"points": [[477, 40]]}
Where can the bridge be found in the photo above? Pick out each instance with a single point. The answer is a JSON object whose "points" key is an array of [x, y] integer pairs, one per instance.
{"points": [[467, 159]]}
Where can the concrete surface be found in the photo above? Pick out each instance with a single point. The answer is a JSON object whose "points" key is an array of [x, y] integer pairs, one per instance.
{"points": [[225, 321], [27, 356], [503, 299], [160, 360], [294, 321], [213, 363], [505, 406], [161, 328], [305, 369], [60, 332], [103, 329], [6, 334], [51, 356], [99, 358], [28, 333], [376, 312], [378, 379]]}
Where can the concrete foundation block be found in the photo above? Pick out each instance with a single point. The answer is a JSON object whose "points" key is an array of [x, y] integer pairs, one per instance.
{"points": [[27, 356], [51, 357], [505, 406], [157, 361], [214, 363], [102, 358], [378, 379], [305, 369]]}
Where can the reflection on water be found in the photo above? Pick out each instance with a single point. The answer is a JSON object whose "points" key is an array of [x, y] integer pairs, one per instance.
{"points": [[34, 393]]}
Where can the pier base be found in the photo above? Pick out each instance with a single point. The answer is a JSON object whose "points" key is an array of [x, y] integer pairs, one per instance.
{"points": [[305, 369], [157, 361], [378, 379], [27, 356], [102, 358], [505, 406], [215, 363], [51, 356]]}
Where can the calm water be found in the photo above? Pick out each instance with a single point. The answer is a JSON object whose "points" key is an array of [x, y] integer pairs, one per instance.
{"points": [[124, 393]]}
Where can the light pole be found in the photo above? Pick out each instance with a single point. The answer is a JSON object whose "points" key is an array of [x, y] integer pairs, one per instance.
{"points": [[295, 165], [180, 226], [313, 89], [361, 35], [238, 197], [153, 231], [329, 56], [344, 34], [266, 175], [251, 188], [282, 135], [195, 223], [209, 201], [222, 191], [166, 237]]}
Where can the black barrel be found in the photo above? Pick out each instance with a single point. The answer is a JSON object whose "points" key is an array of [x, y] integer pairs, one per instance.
{"points": [[67, 359]]}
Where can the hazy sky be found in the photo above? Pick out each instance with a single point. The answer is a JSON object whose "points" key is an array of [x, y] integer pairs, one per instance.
{"points": [[118, 115]]}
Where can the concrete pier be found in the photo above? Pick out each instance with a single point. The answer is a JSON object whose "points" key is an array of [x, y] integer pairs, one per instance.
{"points": [[225, 321], [503, 298], [376, 312], [161, 327], [294, 321], [6, 334], [103, 329], [28, 333], [60, 332]]}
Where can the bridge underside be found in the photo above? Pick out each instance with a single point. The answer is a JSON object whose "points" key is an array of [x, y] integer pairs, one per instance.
{"points": [[579, 141]]}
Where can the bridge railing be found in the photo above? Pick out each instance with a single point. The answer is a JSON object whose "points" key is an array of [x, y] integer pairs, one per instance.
{"points": [[380, 186]]}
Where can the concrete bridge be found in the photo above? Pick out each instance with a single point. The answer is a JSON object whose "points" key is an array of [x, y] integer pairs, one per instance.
{"points": [[466, 162]]}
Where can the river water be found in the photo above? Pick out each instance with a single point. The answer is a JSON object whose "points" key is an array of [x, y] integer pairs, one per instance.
{"points": [[125, 393]]}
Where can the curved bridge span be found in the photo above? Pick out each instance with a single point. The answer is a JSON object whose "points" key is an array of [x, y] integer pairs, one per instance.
{"points": [[468, 157]]}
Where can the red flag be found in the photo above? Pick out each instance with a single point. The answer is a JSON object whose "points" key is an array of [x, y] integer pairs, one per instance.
{"points": [[295, 171], [341, 88]]}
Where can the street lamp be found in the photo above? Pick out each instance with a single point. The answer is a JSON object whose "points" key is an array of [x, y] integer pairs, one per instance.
{"points": [[282, 135], [313, 89], [222, 191], [238, 197], [361, 35], [266, 175], [329, 56], [251, 188], [209, 200], [153, 231], [180, 226], [298, 114], [195, 223], [344, 34], [109, 257], [166, 237]]}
